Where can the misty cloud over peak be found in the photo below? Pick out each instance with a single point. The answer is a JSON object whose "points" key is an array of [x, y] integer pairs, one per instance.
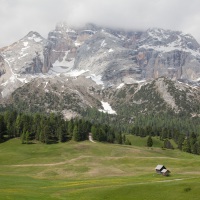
{"points": [[19, 17]]}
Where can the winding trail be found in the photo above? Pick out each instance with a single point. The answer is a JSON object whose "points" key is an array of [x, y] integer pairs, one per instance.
{"points": [[49, 164]]}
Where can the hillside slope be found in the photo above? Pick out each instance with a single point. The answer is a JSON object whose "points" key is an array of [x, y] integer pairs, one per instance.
{"points": [[90, 171], [76, 94]]}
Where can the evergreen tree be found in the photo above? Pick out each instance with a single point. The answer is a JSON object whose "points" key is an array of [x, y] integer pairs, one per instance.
{"points": [[193, 143], [19, 125], [195, 148], [167, 144], [180, 141], [42, 136], [27, 137], [61, 134], [118, 138], [123, 139], [94, 132], [76, 135], [2, 127], [186, 145], [149, 141], [70, 128], [127, 142], [23, 138]]}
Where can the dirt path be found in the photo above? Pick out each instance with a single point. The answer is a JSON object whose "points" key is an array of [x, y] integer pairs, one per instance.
{"points": [[75, 159], [39, 165], [90, 138], [49, 164]]}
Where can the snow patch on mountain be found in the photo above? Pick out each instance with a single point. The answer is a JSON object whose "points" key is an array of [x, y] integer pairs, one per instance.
{"points": [[158, 34], [35, 38], [103, 43], [45, 85], [76, 73], [171, 47], [70, 31], [23, 55], [25, 48], [77, 44], [63, 66], [96, 79], [25, 44], [120, 86], [107, 108], [110, 50], [23, 80], [166, 41], [61, 63]]}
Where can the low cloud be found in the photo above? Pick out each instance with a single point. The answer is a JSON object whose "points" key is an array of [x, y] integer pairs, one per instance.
{"points": [[18, 17]]}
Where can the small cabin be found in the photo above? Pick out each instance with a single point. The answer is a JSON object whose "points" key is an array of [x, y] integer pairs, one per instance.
{"points": [[165, 172], [159, 169]]}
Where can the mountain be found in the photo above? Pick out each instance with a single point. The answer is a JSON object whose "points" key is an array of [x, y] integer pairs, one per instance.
{"points": [[111, 70], [73, 96], [21, 59], [68, 96]]}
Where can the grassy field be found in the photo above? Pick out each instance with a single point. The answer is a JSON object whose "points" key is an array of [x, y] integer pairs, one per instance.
{"points": [[142, 141], [94, 171]]}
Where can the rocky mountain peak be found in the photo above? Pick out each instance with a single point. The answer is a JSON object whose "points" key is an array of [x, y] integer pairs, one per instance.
{"points": [[109, 56], [168, 38], [34, 37]]}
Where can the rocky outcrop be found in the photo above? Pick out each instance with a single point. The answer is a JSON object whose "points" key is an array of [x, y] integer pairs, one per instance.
{"points": [[26, 55], [170, 54], [2, 66], [63, 44]]}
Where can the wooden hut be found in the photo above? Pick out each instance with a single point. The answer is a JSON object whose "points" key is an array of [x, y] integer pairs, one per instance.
{"points": [[165, 172], [159, 169]]}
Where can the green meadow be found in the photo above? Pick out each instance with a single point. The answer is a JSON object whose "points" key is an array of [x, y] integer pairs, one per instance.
{"points": [[87, 170], [142, 141]]}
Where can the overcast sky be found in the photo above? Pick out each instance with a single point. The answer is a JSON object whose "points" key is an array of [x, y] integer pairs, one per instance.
{"points": [[18, 17]]}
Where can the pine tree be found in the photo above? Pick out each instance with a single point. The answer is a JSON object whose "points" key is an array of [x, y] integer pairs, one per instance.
{"points": [[23, 137], [167, 144], [70, 128], [2, 127], [186, 145], [119, 138], [123, 139], [149, 141], [193, 143], [76, 135], [61, 134], [27, 137], [127, 142], [19, 125], [94, 132]]}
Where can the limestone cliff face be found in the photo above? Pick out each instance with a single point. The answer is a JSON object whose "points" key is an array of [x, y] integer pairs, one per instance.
{"points": [[121, 56], [2, 66], [21, 61], [115, 56], [26, 55], [170, 54], [63, 43]]}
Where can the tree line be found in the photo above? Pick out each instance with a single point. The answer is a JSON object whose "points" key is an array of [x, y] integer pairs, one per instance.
{"points": [[51, 128], [184, 130]]}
